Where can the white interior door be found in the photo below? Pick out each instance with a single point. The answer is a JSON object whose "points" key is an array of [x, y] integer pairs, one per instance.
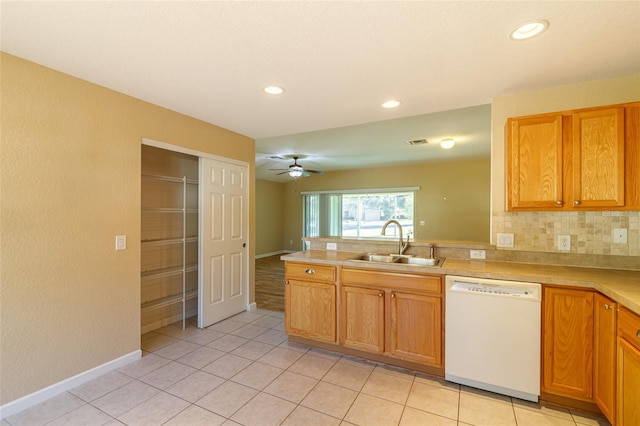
{"points": [[224, 226]]}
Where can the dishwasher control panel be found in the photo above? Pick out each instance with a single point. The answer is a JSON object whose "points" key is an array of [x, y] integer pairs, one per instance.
{"points": [[491, 287]]}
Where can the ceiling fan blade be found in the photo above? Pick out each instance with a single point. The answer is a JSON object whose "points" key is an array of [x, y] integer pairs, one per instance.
{"points": [[281, 173], [277, 169], [318, 172]]}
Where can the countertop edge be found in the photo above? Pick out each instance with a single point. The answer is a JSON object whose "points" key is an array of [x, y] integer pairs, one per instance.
{"points": [[622, 286]]}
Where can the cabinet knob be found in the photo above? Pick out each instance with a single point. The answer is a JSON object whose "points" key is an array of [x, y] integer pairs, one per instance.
{"points": [[286, 282], [393, 296], [559, 202], [607, 306], [380, 294], [638, 333], [577, 202], [309, 271]]}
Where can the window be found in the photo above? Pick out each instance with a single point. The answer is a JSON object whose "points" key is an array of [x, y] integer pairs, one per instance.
{"points": [[356, 214]]}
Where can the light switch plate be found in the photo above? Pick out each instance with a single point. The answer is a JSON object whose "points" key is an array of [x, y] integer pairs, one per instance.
{"points": [[121, 242], [332, 246], [505, 240]]}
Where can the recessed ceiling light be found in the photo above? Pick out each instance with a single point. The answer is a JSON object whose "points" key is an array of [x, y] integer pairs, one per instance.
{"points": [[274, 90], [391, 104], [447, 143], [530, 29]]}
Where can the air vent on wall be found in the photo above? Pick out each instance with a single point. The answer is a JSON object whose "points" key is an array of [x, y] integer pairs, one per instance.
{"points": [[418, 142]]}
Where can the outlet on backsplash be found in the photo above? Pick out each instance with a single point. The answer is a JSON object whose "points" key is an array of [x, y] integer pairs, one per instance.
{"points": [[564, 242]]}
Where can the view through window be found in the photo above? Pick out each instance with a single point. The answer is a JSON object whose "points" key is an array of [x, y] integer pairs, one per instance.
{"points": [[356, 214]]}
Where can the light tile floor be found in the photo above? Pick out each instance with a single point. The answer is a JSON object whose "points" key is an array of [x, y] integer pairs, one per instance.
{"points": [[243, 371]]}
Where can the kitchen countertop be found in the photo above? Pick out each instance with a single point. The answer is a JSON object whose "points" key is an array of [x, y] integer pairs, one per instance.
{"points": [[622, 286]]}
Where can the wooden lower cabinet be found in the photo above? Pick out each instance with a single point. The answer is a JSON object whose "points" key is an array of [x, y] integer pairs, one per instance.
{"points": [[404, 322], [362, 319], [567, 344], [628, 377], [604, 355], [416, 321], [310, 301]]}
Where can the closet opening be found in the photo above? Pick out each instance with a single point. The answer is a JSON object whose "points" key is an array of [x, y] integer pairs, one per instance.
{"points": [[169, 238]]}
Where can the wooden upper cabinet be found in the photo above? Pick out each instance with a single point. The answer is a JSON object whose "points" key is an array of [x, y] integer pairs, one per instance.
{"points": [[598, 158], [575, 160], [534, 153]]}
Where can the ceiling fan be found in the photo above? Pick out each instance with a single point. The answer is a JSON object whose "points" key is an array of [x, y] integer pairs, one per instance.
{"points": [[295, 170]]}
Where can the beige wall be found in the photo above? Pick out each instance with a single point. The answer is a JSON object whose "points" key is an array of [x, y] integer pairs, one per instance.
{"points": [[548, 225], [70, 176], [463, 215], [269, 217]]}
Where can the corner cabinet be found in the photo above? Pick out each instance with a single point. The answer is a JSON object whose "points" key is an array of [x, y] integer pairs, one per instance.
{"points": [[584, 159], [628, 386], [604, 355], [310, 301], [397, 314]]}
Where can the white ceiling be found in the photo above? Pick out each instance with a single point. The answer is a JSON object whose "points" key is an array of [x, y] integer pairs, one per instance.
{"points": [[338, 61]]}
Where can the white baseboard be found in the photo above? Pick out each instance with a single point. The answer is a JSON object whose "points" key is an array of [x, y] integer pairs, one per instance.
{"points": [[252, 307], [43, 394]]}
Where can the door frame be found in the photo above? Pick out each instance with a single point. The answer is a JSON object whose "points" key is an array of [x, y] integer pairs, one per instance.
{"points": [[201, 154]]}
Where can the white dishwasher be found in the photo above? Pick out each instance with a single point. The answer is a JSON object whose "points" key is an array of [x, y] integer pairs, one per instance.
{"points": [[492, 335]]}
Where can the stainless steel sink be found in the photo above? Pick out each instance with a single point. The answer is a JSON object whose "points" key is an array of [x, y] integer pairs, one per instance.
{"points": [[422, 261], [376, 257], [399, 258]]}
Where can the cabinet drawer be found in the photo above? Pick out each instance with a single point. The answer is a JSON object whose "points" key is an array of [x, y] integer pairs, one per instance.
{"points": [[397, 281], [629, 327], [310, 272]]}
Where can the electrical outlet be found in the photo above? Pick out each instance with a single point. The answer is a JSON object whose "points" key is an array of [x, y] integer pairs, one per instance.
{"points": [[505, 240], [332, 246], [121, 242], [619, 235], [477, 254], [564, 242]]}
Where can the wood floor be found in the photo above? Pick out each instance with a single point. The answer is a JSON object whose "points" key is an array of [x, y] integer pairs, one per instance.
{"points": [[270, 283]]}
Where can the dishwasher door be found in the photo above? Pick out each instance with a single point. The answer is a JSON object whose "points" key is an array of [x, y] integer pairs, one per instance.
{"points": [[492, 335]]}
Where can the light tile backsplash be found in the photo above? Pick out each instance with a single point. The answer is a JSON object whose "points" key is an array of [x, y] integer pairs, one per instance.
{"points": [[591, 232]]}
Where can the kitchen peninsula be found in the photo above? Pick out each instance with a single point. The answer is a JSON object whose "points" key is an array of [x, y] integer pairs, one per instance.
{"points": [[394, 313]]}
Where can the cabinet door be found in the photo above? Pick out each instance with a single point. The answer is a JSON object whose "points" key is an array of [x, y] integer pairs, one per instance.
{"points": [[568, 342], [598, 158], [534, 156], [628, 384], [604, 356], [310, 310], [362, 318], [628, 392], [416, 328]]}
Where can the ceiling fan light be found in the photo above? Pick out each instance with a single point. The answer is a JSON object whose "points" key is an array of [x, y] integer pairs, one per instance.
{"points": [[295, 171]]}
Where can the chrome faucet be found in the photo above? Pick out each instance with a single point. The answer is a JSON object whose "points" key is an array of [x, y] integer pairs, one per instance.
{"points": [[401, 246]]}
